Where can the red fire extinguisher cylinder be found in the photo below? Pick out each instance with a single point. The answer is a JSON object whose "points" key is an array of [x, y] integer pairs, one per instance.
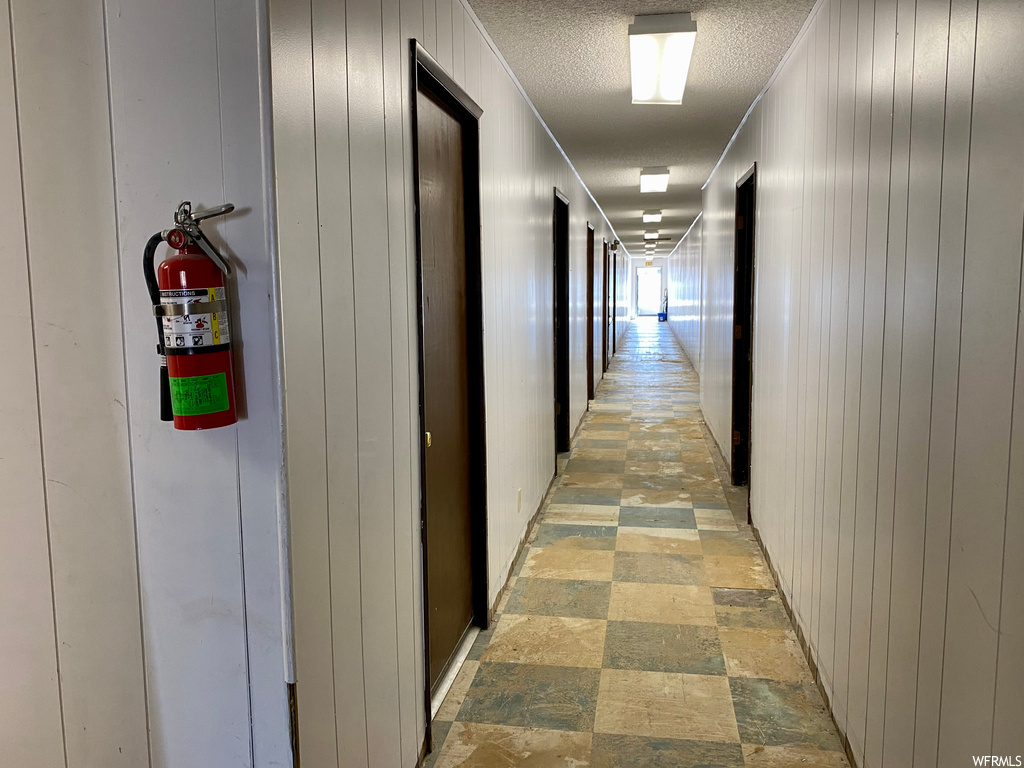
{"points": [[197, 339]]}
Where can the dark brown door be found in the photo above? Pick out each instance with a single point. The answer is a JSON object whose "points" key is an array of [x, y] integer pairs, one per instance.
{"points": [[561, 322], [590, 312], [743, 331], [606, 295], [446, 385]]}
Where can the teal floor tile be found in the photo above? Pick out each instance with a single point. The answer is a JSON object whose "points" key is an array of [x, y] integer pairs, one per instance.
{"points": [[615, 751], [687, 649], [558, 698], [605, 497], [657, 517], [656, 568], [776, 713], [560, 597], [575, 536]]}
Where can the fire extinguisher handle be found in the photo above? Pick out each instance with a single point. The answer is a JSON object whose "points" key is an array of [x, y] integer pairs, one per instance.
{"points": [[149, 271]]}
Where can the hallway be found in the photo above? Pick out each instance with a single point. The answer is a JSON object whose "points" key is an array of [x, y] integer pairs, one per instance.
{"points": [[641, 626]]}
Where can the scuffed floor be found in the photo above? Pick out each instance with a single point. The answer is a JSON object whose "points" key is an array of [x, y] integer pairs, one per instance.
{"points": [[642, 627]]}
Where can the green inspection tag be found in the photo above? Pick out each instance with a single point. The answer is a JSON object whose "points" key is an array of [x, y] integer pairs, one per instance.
{"points": [[199, 395]]}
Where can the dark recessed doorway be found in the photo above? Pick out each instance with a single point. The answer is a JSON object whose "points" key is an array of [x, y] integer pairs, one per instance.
{"points": [[743, 328]]}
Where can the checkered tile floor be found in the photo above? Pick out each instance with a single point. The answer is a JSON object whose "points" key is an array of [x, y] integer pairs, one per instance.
{"points": [[642, 627]]}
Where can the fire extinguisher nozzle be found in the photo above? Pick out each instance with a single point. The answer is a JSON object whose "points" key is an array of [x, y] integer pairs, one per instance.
{"points": [[166, 412]]}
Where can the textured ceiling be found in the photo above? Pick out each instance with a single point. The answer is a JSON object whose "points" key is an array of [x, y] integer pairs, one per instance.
{"points": [[572, 57]]}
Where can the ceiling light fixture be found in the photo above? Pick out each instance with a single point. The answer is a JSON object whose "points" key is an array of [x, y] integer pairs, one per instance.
{"points": [[654, 179], [660, 48], [652, 217], [650, 235]]}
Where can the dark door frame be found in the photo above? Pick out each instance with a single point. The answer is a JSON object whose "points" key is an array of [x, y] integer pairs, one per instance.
{"points": [[560, 319], [615, 299], [605, 318], [590, 314], [743, 327], [429, 77]]}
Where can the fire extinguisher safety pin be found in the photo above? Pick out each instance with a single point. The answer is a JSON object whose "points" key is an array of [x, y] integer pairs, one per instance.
{"points": [[188, 220], [192, 308]]}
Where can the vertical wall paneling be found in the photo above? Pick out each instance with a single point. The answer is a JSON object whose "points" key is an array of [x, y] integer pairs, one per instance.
{"points": [[445, 49], [244, 114], [88, 493], [890, 154], [153, 635], [918, 344], [374, 383], [892, 348], [202, 702], [1009, 697], [991, 307], [31, 729], [879, 162], [406, 418], [333, 139], [429, 39], [949, 297], [684, 284], [295, 152]]}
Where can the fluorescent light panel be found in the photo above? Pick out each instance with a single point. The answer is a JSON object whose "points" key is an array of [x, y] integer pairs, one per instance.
{"points": [[650, 235], [654, 179], [652, 217], [660, 49]]}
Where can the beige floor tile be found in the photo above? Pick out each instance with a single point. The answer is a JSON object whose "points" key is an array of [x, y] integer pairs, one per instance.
{"points": [[655, 499], [768, 653], [737, 572], [760, 756], [594, 432], [592, 480], [665, 705], [672, 541], [662, 604], [581, 514], [566, 563], [457, 693], [549, 640], [714, 519], [473, 745], [601, 454], [664, 468]]}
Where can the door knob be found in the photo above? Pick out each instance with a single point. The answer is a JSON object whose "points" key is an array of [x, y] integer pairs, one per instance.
{"points": [[428, 439]]}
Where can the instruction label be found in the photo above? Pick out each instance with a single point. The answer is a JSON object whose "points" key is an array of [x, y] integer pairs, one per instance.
{"points": [[199, 395], [199, 330]]}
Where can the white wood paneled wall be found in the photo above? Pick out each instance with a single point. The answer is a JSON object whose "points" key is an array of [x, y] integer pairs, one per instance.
{"points": [[685, 278], [343, 147], [887, 481], [128, 634]]}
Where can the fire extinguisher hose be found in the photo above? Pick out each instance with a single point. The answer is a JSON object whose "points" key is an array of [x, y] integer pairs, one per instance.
{"points": [[149, 270]]}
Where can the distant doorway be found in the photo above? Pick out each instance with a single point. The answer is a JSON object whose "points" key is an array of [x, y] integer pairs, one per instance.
{"points": [[561, 321], [743, 329], [590, 312], [648, 290]]}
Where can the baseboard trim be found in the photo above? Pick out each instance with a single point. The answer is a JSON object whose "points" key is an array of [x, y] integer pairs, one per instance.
{"points": [[806, 649], [519, 549]]}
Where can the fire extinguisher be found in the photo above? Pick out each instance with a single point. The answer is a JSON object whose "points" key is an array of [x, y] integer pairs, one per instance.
{"points": [[189, 295]]}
